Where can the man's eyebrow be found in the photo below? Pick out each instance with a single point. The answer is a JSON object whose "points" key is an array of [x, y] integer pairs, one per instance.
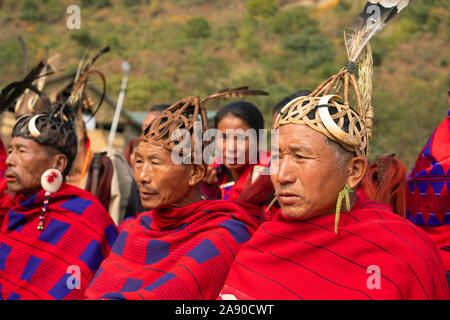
{"points": [[298, 147], [149, 155], [153, 155], [18, 145]]}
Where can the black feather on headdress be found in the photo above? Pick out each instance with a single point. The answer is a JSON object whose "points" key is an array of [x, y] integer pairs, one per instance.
{"points": [[59, 127], [13, 91]]}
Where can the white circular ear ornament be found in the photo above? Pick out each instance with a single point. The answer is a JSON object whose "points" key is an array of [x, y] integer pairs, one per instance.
{"points": [[51, 181]]}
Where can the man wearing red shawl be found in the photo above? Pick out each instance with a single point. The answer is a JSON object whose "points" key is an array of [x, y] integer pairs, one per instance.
{"points": [[183, 247], [53, 235], [428, 191], [372, 254], [324, 243]]}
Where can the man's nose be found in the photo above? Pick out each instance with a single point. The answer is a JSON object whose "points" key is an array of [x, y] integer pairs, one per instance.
{"points": [[144, 175], [286, 172], [11, 160]]}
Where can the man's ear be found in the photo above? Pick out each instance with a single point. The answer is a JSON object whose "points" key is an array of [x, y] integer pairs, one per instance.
{"points": [[196, 173], [60, 162], [356, 168]]}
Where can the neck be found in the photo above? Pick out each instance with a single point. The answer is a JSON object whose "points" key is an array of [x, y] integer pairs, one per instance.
{"points": [[332, 209], [173, 216], [74, 176], [25, 193], [193, 196]]}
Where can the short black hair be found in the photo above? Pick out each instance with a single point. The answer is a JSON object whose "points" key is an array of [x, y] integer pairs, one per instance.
{"points": [[285, 100], [247, 111]]}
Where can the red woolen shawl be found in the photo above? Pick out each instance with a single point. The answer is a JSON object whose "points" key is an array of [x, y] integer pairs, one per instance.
{"points": [[35, 264], [288, 259], [174, 253]]}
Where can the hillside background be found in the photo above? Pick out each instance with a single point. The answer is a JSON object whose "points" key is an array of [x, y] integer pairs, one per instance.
{"points": [[195, 47]]}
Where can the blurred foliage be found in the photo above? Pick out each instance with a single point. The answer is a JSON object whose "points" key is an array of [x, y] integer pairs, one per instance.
{"points": [[132, 3], [291, 21], [197, 28], [178, 48], [46, 11], [83, 38], [97, 4], [261, 8]]}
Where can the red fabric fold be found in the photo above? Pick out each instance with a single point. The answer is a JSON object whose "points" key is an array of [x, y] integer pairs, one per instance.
{"points": [[176, 253], [60, 261], [375, 255], [441, 237]]}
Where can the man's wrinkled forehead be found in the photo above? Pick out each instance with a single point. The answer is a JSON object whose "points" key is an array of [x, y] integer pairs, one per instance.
{"points": [[148, 146], [299, 136], [28, 143]]}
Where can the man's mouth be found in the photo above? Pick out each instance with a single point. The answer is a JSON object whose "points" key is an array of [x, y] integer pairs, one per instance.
{"points": [[288, 198], [10, 178], [146, 194]]}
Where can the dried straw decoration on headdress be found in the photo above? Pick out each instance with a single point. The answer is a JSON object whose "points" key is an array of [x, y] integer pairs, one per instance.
{"points": [[183, 115], [328, 108]]}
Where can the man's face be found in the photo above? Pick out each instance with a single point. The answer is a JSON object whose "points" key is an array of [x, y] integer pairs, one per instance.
{"points": [[161, 182], [308, 180], [27, 161]]}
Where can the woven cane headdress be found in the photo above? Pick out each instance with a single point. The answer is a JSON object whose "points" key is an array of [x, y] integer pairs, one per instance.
{"points": [[53, 129], [183, 115], [328, 108]]}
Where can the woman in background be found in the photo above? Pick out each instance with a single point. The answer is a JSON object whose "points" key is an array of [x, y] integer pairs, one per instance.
{"points": [[238, 167]]}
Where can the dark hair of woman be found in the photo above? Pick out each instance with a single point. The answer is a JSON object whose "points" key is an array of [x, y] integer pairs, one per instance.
{"points": [[247, 111]]}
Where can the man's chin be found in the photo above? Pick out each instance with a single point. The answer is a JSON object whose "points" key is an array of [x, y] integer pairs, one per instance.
{"points": [[150, 204], [292, 212], [154, 202], [303, 213], [13, 188]]}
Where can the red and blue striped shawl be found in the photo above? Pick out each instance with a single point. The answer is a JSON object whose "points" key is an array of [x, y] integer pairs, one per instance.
{"points": [[35, 264], [176, 253]]}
